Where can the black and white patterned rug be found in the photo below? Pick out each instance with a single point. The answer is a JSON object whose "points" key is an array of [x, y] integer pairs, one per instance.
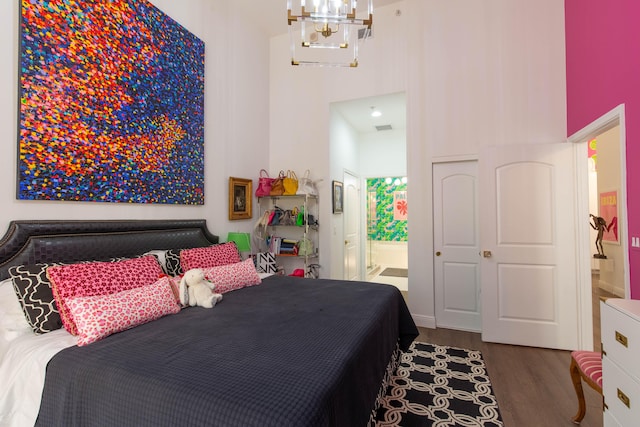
{"points": [[439, 386]]}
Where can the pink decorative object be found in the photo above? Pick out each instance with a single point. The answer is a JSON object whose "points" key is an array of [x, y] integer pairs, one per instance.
{"points": [[230, 277], [99, 316], [210, 256], [99, 278]]}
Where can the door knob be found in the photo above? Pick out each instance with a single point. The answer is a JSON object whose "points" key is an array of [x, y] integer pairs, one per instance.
{"points": [[438, 253], [346, 242], [486, 254]]}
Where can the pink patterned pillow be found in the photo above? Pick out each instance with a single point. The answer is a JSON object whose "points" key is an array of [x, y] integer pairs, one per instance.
{"points": [[210, 256], [99, 278], [233, 276], [98, 316]]}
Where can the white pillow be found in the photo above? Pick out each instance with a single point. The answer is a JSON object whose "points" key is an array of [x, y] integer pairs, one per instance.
{"points": [[12, 320], [161, 255]]}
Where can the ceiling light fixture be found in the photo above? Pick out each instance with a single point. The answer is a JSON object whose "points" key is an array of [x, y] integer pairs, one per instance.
{"points": [[375, 113], [331, 25]]}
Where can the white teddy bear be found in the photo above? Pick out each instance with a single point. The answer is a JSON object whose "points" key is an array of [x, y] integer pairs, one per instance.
{"points": [[195, 289]]}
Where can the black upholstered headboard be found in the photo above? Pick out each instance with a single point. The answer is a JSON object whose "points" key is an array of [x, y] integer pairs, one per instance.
{"points": [[29, 242]]}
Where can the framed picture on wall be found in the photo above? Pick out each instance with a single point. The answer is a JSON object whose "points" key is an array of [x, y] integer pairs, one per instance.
{"points": [[240, 194], [338, 197]]}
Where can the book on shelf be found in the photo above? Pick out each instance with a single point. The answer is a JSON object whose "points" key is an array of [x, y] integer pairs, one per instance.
{"points": [[281, 246]]}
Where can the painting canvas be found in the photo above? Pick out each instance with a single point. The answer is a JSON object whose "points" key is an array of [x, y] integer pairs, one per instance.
{"points": [[609, 211], [111, 104]]}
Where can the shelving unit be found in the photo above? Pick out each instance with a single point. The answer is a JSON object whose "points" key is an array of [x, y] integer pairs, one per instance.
{"points": [[307, 232]]}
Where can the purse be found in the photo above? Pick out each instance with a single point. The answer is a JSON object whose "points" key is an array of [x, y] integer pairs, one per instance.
{"points": [[260, 231], [287, 218], [305, 247], [276, 216], [306, 186], [277, 185], [300, 217], [290, 183], [264, 184]]}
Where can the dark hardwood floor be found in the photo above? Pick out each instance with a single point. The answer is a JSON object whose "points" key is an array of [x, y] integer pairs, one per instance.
{"points": [[532, 385]]}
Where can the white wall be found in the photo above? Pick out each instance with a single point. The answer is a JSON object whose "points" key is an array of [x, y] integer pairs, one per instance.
{"points": [[383, 153], [344, 154], [608, 165], [475, 73], [236, 118]]}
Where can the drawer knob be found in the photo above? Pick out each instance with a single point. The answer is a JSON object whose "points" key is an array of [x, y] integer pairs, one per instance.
{"points": [[624, 399], [621, 339]]}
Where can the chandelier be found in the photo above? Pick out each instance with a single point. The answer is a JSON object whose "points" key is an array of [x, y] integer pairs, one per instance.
{"points": [[328, 32]]}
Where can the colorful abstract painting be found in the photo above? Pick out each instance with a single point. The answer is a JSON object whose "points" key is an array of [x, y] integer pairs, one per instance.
{"points": [[111, 104], [387, 209]]}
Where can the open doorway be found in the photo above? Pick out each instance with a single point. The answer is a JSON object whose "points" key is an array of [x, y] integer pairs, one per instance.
{"points": [[602, 193], [607, 263], [386, 244], [374, 131]]}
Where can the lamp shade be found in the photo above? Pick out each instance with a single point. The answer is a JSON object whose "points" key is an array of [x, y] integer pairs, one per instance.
{"points": [[242, 240]]}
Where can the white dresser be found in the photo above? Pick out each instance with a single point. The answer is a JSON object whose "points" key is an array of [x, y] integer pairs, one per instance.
{"points": [[620, 322]]}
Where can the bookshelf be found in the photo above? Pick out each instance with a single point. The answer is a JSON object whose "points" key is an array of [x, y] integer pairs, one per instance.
{"points": [[293, 234]]}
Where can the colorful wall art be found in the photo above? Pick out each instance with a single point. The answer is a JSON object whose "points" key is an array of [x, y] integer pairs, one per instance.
{"points": [[387, 209], [609, 211], [111, 104]]}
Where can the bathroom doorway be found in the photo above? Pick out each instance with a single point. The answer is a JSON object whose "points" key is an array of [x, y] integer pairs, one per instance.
{"points": [[387, 233], [370, 139]]}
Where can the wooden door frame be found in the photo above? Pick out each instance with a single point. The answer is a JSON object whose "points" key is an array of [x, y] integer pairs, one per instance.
{"points": [[580, 139]]}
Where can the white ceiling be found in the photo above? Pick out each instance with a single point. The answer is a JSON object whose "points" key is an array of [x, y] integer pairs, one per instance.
{"points": [[358, 112], [271, 16]]}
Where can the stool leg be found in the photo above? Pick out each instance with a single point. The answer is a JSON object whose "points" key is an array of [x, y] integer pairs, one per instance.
{"points": [[577, 385]]}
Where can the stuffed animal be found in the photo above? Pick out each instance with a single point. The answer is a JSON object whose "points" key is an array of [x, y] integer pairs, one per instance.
{"points": [[195, 289]]}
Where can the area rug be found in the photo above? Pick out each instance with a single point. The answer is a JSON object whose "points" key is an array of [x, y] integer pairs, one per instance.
{"points": [[395, 272], [439, 386]]}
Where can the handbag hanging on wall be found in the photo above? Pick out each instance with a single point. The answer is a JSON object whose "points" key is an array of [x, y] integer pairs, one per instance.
{"points": [[290, 183], [264, 184], [277, 185]]}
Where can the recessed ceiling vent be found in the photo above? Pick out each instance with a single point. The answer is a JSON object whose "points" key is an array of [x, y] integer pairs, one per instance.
{"points": [[383, 127]]}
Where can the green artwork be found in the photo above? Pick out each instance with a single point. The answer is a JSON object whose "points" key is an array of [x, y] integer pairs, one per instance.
{"points": [[387, 209]]}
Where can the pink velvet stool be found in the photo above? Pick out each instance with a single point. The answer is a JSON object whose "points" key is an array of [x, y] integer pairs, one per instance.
{"points": [[587, 366]]}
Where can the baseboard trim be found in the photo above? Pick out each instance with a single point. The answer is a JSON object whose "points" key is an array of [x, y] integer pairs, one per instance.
{"points": [[424, 321], [611, 288]]}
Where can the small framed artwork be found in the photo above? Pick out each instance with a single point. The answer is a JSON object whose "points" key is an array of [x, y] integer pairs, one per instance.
{"points": [[240, 194], [338, 197]]}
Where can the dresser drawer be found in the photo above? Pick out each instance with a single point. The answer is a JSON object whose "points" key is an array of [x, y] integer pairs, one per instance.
{"points": [[621, 338], [621, 393]]}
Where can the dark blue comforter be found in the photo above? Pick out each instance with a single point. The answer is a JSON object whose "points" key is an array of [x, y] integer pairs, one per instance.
{"points": [[289, 352]]}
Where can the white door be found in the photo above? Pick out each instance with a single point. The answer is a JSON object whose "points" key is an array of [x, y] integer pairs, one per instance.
{"points": [[351, 227], [456, 246], [527, 215]]}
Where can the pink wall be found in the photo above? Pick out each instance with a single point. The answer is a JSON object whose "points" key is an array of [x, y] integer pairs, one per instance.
{"points": [[603, 71]]}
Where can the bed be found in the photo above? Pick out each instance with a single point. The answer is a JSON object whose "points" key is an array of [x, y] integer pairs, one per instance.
{"points": [[287, 352]]}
